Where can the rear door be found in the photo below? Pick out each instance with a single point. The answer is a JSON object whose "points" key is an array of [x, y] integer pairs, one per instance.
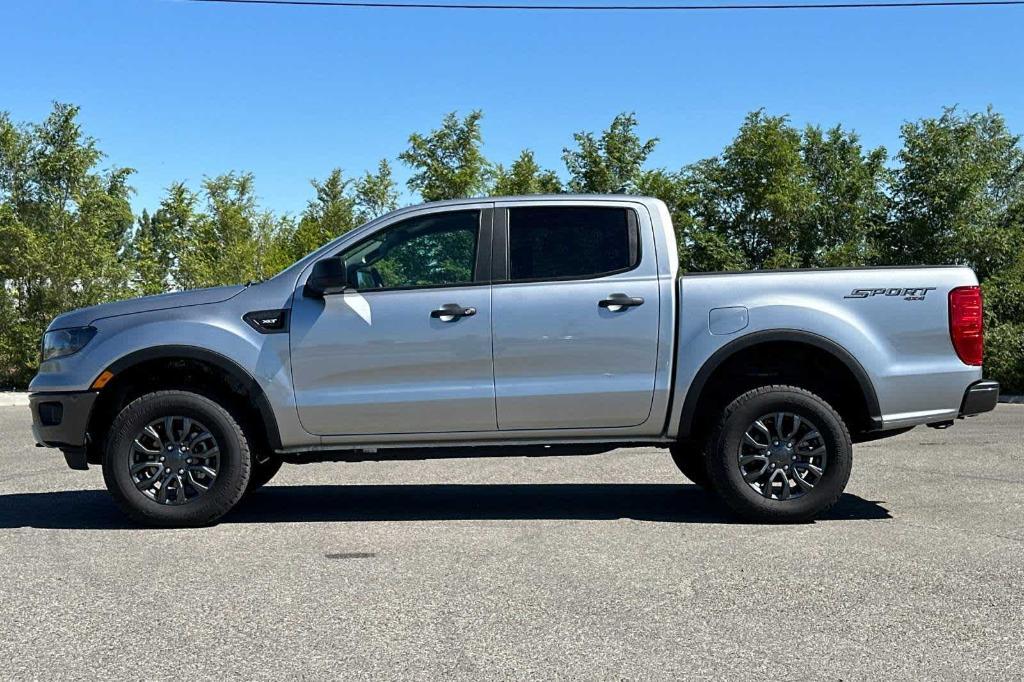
{"points": [[576, 309]]}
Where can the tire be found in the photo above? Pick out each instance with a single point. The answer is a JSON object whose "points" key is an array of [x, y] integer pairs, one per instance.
{"points": [[176, 419], [767, 497], [264, 468], [690, 459]]}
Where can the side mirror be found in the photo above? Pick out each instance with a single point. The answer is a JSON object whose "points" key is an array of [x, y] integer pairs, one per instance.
{"points": [[329, 276]]}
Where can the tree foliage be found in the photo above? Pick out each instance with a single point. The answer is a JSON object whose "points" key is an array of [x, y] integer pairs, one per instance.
{"points": [[63, 227], [339, 206], [956, 191], [376, 193], [781, 197], [777, 196], [525, 176], [159, 239], [610, 163], [231, 240], [448, 162]]}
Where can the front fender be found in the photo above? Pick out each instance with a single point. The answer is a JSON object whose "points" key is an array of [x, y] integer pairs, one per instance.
{"points": [[215, 337]]}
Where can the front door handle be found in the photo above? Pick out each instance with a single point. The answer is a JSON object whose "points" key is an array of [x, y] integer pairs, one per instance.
{"points": [[450, 312], [617, 302]]}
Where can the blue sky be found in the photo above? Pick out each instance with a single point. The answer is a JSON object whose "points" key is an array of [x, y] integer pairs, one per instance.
{"points": [[180, 90]]}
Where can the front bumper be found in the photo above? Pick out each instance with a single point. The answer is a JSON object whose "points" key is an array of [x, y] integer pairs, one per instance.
{"points": [[981, 396], [60, 420]]}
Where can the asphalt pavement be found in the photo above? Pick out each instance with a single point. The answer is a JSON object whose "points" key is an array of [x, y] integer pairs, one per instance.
{"points": [[607, 566]]}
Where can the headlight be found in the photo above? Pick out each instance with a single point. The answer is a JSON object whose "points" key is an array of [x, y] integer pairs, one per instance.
{"points": [[62, 342]]}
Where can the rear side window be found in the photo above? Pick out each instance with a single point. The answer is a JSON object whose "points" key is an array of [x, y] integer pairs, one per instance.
{"points": [[570, 242]]}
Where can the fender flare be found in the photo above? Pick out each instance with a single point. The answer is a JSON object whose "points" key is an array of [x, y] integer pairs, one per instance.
{"points": [[693, 393], [221, 362]]}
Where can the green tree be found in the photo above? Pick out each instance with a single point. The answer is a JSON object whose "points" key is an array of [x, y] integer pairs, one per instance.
{"points": [[755, 198], [525, 176], [232, 241], [64, 225], [448, 162], [700, 250], [330, 213], [957, 178], [376, 193], [611, 163], [150, 275], [159, 238], [777, 197], [849, 207], [340, 205], [1004, 315]]}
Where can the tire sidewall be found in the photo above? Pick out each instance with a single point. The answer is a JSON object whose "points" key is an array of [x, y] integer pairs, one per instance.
{"points": [[234, 462], [724, 467]]}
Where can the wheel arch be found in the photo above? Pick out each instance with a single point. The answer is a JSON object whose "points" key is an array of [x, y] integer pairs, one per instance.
{"points": [[126, 368], [698, 388]]}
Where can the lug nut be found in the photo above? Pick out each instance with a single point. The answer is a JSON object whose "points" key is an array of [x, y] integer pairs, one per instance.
{"points": [[162, 459], [188, 460], [786, 467], [181, 471]]}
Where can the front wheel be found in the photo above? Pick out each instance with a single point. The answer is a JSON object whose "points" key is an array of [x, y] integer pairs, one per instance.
{"points": [[779, 454], [175, 458]]}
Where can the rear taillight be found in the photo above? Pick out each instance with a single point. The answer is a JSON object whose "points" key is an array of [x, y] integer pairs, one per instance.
{"points": [[965, 324]]}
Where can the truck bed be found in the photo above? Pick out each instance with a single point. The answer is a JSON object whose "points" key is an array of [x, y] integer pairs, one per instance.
{"points": [[892, 323]]}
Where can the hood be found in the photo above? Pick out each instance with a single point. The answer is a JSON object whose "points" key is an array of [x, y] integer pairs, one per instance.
{"points": [[180, 299]]}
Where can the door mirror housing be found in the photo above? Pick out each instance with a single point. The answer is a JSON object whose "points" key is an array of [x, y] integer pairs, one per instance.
{"points": [[329, 276]]}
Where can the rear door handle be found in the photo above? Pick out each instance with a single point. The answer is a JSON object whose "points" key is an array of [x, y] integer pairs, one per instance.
{"points": [[450, 312], [617, 302]]}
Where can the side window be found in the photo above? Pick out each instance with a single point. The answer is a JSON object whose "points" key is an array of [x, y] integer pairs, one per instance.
{"points": [[431, 250], [570, 242]]}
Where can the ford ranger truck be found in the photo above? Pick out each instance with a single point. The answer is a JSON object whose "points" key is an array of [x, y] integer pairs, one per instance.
{"points": [[547, 325]]}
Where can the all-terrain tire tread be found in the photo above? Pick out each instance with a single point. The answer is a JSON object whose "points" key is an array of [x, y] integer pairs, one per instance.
{"points": [[119, 430], [770, 515]]}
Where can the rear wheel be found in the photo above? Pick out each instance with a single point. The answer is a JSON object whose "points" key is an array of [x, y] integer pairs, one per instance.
{"points": [[175, 458], [690, 460], [779, 454]]}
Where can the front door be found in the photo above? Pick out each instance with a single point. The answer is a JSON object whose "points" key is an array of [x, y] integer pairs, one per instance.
{"points": [[576, 324], [409, 349]]}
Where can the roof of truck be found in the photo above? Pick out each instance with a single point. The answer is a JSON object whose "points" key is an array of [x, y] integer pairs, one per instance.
{"points": [[535, 197]]}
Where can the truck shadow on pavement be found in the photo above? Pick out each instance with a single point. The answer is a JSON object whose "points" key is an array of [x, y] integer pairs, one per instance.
{"points": [[662, 502]]}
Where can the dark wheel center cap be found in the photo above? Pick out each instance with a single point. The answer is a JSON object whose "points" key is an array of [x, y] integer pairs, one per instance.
{"points": [[780, 455]]}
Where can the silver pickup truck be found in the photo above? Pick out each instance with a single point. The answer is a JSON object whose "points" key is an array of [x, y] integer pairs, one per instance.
{"points": [[510, 326]]}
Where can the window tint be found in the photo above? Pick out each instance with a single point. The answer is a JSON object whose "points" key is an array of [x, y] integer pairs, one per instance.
{"points": [[554, 242], [432, 250]]}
